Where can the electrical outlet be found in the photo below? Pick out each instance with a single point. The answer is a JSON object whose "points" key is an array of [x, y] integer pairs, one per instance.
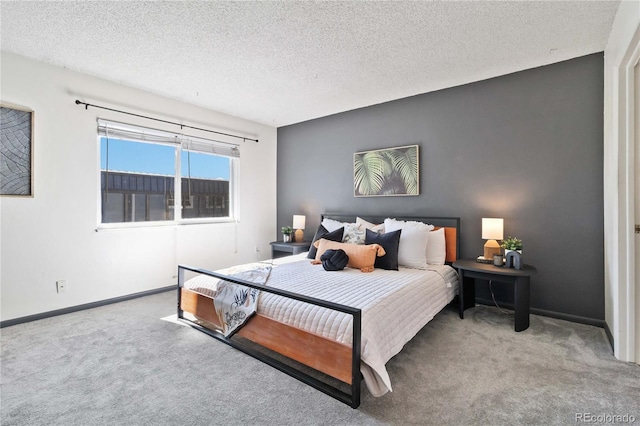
{"points": [[61, 286]]}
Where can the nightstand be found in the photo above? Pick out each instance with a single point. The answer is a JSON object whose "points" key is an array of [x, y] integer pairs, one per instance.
{"points": [[469, 270], [279, 248]]}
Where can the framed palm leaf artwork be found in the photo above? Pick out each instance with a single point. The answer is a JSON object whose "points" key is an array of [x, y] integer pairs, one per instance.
{"points": [[386, 172]]}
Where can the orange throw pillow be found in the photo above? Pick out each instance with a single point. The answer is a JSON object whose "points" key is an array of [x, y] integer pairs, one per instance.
{"points": [[361, 257]]}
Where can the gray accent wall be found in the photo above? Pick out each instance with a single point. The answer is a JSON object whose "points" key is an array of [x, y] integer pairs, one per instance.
{"points": [[527, 147]]}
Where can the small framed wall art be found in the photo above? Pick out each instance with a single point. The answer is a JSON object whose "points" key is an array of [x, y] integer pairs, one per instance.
{"points": [[386, 172], [16, 151]]}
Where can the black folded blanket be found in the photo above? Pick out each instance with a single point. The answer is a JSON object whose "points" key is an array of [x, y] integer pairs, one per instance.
{"points": [[334, 260]]}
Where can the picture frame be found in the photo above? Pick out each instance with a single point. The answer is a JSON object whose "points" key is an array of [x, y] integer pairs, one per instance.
{"points": [[388, 172], [16, 151]]}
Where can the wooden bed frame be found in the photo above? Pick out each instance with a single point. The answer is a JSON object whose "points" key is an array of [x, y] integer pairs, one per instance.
{"points": [[332, 358]]}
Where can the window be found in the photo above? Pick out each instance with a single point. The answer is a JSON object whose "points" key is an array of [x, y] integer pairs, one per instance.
{"points": [[148, 175], [204, 177]]}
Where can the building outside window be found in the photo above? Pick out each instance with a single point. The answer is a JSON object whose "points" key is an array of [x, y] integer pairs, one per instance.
{"points": [[144, 171]]}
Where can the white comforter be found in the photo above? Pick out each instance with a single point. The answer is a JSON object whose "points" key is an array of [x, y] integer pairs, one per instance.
{"points": [[395, 306]]}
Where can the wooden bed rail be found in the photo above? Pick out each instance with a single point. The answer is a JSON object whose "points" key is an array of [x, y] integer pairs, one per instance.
{"points": [[327, 356]]}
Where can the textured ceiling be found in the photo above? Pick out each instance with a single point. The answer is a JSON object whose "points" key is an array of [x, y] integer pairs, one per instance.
{"points": [[284, 62]]}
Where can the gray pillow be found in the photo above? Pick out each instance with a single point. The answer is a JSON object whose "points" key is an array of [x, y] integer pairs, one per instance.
{"points": [[390, 241], [323, 233]]}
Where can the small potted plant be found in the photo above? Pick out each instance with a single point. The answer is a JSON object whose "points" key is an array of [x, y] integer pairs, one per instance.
{"points": [[286, 233], [511, 244]]}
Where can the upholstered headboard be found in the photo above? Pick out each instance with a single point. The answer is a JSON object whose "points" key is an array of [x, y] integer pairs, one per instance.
{"points": [[451, 227]]}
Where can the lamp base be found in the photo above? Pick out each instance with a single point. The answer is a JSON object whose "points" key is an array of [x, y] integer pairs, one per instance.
{"points": [[490, 248], [298, 236]]}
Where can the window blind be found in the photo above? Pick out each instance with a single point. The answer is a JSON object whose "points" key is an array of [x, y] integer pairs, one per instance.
{"points": [[116, 130]]}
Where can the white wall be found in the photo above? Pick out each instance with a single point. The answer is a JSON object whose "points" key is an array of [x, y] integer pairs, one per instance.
{"points": [[52, 236], [616, 174]]}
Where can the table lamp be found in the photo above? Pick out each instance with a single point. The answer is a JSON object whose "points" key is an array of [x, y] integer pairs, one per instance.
{"points": [[492, 230], [298, 225]]}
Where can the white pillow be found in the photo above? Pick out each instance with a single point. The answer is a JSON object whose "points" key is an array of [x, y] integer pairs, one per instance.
{"points": [[368, 225], [331, 225], [414, 237], [436, 247]]}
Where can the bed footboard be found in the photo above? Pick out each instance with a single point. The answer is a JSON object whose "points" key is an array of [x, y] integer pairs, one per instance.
{"points": [[332, 358]]}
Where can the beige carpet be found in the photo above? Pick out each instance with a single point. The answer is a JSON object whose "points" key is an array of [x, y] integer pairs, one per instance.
{"points": [[122, 365]]}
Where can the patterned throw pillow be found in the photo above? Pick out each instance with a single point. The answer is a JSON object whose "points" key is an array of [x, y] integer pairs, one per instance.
{"points": [[353, 234]]}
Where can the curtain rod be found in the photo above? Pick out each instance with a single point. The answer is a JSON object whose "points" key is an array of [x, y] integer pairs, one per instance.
{"points": [[86, 106]]}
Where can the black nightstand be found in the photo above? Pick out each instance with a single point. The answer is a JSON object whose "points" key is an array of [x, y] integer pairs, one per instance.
{"points": [[469, 270], [279, 248]]}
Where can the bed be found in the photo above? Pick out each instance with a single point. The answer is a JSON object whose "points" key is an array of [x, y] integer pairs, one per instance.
{"points": [[333, 329]]}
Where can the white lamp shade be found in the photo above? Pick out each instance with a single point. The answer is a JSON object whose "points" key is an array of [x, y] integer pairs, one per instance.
{"points": [[298, 221], [492, 228]]}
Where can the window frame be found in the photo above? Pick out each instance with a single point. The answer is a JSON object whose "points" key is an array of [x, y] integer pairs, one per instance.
{"points": [[181, 141]]}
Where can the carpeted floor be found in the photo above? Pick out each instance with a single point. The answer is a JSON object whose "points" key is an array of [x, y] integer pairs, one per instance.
{"points": [[122, 365]]}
